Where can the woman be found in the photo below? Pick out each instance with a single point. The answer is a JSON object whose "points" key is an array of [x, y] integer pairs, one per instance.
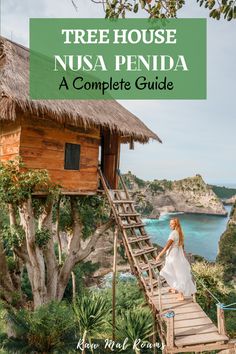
{"points": [[177, 270]]}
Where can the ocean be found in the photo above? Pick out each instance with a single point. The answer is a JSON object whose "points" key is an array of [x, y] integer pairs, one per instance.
{"points": [[202, 232]]}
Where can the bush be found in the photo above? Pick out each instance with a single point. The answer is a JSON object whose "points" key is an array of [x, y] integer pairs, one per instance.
{"points": [[140, 182], [227, 252], [155, 187], [212, 276], [128, 295], [50, 328], [135, 324]]}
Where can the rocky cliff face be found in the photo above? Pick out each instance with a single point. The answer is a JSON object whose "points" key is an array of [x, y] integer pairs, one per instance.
{"points": [[191, 195], [230, 201]]}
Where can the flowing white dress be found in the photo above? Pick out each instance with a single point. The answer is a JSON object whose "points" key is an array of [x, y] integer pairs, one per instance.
{"points": [[177, 270]]}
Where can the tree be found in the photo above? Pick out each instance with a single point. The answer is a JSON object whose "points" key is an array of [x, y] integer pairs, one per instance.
{"points": [[163, 8], [28, 240]]}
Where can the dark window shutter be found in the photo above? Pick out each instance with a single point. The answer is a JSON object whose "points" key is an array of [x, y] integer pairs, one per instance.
{"points": [[72, 157]]}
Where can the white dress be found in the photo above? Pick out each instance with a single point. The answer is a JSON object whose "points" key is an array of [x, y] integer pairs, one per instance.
{"points": [[177, 270]]}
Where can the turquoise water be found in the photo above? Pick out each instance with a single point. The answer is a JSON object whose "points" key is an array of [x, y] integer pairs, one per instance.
{"points": [[202, 232]]}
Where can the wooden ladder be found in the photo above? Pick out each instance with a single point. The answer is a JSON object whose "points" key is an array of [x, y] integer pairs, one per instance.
{"points": [[139, 249]]}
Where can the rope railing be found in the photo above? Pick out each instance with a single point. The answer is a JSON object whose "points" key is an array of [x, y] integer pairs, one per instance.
{"points": [[219, 303], [226, 307]]}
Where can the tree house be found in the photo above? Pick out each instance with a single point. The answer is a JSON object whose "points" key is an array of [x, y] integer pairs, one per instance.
{"points": [[68, 138]]}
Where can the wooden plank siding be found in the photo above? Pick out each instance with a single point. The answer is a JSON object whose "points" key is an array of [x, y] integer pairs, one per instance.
{"points": [[41, 145], [9, 140]]}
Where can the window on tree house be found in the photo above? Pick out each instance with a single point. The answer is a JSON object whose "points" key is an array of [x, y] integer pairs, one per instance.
{"points": [[72, 157]]}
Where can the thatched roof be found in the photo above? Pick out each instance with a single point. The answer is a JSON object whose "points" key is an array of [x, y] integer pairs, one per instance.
{"points": [[14, 91]]}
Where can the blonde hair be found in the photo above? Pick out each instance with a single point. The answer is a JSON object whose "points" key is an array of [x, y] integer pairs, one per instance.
{"points": [[178, 228]]}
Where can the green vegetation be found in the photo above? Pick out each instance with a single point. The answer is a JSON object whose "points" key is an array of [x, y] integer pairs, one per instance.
{"points": [[145, 208], [211, 276], [227, 251], [130, 180], [140, 182], [30, 255], [227, 248], [56, 325], [127, 181], [155, 187], [163, 8], [135, 324], [49, 329], [224, 192], [59, 326], [91, 316]]}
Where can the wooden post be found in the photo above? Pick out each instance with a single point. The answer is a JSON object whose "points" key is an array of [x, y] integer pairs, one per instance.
{"points": [[150, 278], [114, 284], [110, 157], [73, 286], [221, 319], [154, 338], [159, 293], [170, 328]]}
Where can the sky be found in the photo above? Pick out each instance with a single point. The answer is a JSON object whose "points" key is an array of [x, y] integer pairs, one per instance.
{"points": [[198, 135]]}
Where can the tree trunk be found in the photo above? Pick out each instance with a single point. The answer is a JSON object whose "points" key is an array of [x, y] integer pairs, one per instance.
{"points": [[48, 279], [83, 341], [35, 254], [45, 222], [58, 231], [6, 284]]}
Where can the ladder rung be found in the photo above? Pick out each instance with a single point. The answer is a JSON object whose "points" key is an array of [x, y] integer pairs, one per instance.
{"points": [[154, 282], [128, 214], [130, 226], [123, 201], [143, 251], [138, 239], [163, 284], [145, 266]]}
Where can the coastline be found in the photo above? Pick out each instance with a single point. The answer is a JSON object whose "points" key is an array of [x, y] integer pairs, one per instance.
{"points": [[202, 231], [226, 214]]}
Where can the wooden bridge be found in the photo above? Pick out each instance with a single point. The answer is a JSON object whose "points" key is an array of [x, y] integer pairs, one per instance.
{"points": [[182, 326]]}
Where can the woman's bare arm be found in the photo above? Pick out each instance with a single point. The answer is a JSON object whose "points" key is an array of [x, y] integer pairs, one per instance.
{"points": [[167, 246]]}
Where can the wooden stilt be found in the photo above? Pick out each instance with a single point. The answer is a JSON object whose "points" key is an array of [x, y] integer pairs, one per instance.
{"points": [[154, 338], [221, 320], [170, 328], [73, 286], [114, 284]]}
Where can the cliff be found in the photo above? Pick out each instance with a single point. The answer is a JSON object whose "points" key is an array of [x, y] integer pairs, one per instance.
{"points": [[190, 195], [230, 201], [227, 247]]}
